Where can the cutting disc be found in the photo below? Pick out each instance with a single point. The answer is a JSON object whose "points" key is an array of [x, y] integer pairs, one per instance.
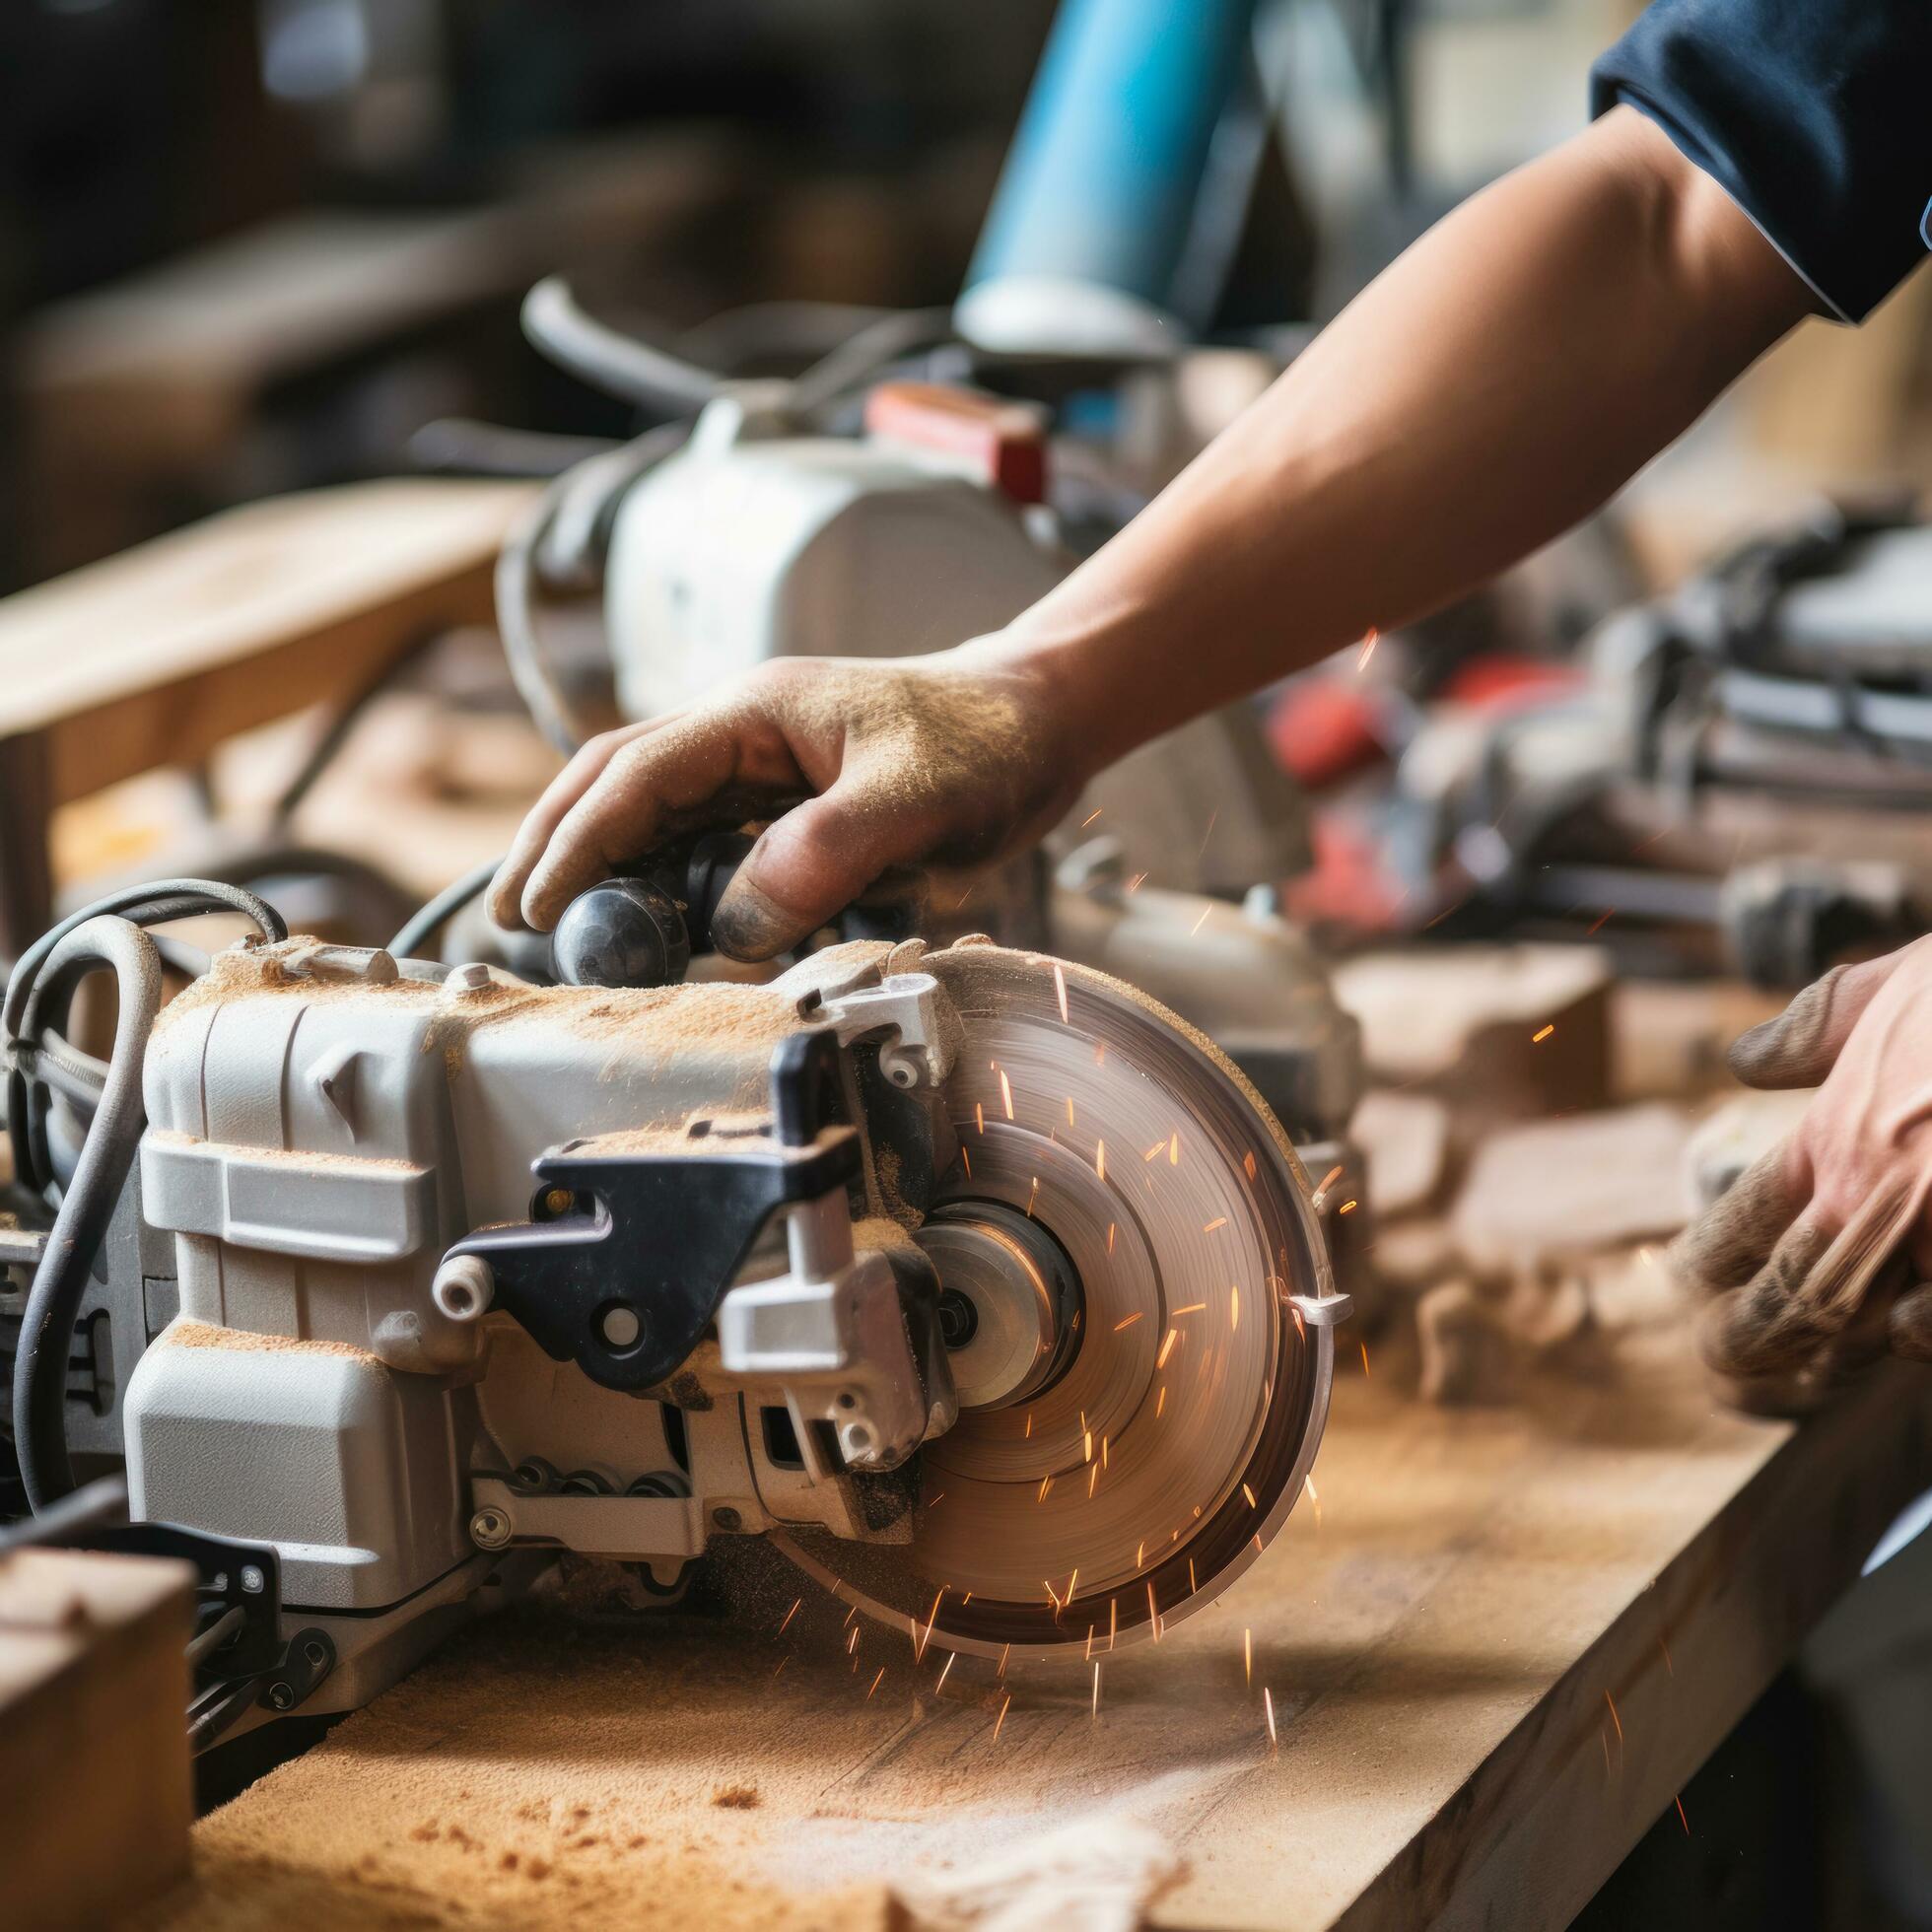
{"points": [[1184, 1410]]}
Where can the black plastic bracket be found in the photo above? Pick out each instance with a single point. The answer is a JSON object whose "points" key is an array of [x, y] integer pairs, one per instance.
{"points": [[628, 1255]]}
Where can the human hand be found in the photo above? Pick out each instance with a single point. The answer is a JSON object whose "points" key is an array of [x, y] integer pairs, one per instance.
{"points": [[860, 765], [1814, 1262]]}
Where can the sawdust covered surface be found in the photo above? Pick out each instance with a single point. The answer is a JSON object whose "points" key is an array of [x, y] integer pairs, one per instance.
{"points": [[542, 1771], [204, 1335]]}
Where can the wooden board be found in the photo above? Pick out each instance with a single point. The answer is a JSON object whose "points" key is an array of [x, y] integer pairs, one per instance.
{"points": [[153, 657], [1442, 1639], [93, 1758]]}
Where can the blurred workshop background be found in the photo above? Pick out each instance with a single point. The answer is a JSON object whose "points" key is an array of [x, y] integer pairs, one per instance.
{"points": [[250, 249]]}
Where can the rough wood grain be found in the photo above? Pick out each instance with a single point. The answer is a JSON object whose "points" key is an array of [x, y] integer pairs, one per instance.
{"points": [[1442, 1641]]}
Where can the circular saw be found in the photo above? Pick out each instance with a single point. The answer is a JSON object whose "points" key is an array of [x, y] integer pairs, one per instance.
{"points": [[1137, 1310]]}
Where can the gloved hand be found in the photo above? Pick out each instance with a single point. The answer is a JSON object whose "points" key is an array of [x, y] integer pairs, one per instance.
{"points": [[956, 758], [1814, 1263]]}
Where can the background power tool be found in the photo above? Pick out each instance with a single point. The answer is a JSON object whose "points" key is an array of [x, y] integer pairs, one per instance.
{"points": [[980, 1281]]}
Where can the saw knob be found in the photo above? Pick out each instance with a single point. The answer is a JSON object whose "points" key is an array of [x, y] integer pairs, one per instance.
{"points": [[622, 933]]}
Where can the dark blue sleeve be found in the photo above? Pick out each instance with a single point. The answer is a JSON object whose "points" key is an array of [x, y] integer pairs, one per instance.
{"points": [[1814, 115]]}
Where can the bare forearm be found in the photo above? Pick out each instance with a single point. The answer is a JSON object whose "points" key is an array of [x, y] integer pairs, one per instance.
{"points": [[1492, 386]]}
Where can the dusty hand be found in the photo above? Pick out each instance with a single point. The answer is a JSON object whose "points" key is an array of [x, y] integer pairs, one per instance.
{"points": [[1812, 1262], [954, 758]]}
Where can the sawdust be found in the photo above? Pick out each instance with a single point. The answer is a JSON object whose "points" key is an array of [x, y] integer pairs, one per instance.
{"points": [[181, 1334], [736, 1797]]}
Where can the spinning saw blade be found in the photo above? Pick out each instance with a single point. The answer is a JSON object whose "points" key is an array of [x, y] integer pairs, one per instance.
{"points": [[1140, 1419]]}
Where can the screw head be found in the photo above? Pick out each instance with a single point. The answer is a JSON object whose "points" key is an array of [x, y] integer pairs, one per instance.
{"points": [[726, 1518], [489, 1529], [558, 1201], [282, 1695]]}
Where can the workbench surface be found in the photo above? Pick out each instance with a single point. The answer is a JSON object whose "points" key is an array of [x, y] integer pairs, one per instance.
{"points": [[1495, 1653]]}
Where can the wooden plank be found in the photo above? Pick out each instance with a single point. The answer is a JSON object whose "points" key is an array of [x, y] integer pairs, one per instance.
{"points": [[93, 1756], [1442, 1639], [153, 657]]}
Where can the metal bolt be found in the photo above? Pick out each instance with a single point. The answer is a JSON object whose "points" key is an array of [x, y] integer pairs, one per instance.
{"points": [[558, 1201], [471, 976], [621, 1326], [252, 1580], [489, 1529], [282, 1695], [725, 1518]]}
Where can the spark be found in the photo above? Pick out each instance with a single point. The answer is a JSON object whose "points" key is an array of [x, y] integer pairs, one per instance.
{"points": [[1192, 1584], [1250, 1494], [1059, 988], [1174, 1150], [1348, 1207], [1535, 1039], [1210, 1226], [1110, 1237], [951, 1656], [1201, 922], [1070, 1110], [1086, 1445], [789, 1614], [1006, 1093], [1103, 1452], [1681, 1819], [1603, 920], [1666, 1649], [1058, 1605], [1100, 1160], [851, 1643], [1093, 1715], [1137, 881], [1368, 647], [968, 1159], [1001, 1718], [1112, 1619], [1029, 1421], [1091, 816], [1129, 1320], [1613, 1718], [1193, 1308], [776, 1674], [978, 1115], [932, 1618], [1046, 1484], [1153, 1610], [1032, 1196], [1094, 1477], [1155, 1149], [1248, 1163], [875, 1682], [1268, 1699], [1209, 833], [1603, 1738], [1234, 1307], [848, 1616], [1167, 1348], [1141, 1553], [1005, 1653], [1364, 1349], [1071, 1581], [1248, 1656], [1087, 1654], [1314, 1496], [1161, 1402]]}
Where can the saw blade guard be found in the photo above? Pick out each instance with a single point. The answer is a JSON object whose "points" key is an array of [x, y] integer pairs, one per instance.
{"points": [[1139, 1308]]}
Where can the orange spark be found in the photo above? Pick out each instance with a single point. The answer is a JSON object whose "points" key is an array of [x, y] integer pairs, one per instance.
{"points": [[1046, 1484], [1070, 1110], [1100, 1160], [1603, 919], [875, 1681], [851, 1643], [1161, 1402], [1006, 1093], [776, 1674], [950, 1656], [1192, 1584], [1681, 1819], [968, 1159], [1155, 1149], [1348, 1207], [1368, 647], [1193, 1308], [1250, 1494], [1234, 1307], [1537, 1038], [1248, 1655], [1006, 1652], [1129, 1320], [1268, 1698], [1666, 1649], [978, 1115], [1110, 1237], [1201, 922], [1001, 1718], [1364, 1348], [789, 1614], [1248, 1163], [1090, 817], [1153, 1610], [1613, 1718], [1221, 1220], [1167, 1348], [1174, 1150], [1112, 1619], [1059, 988], [1093, 1715], [1029, 1421]]}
